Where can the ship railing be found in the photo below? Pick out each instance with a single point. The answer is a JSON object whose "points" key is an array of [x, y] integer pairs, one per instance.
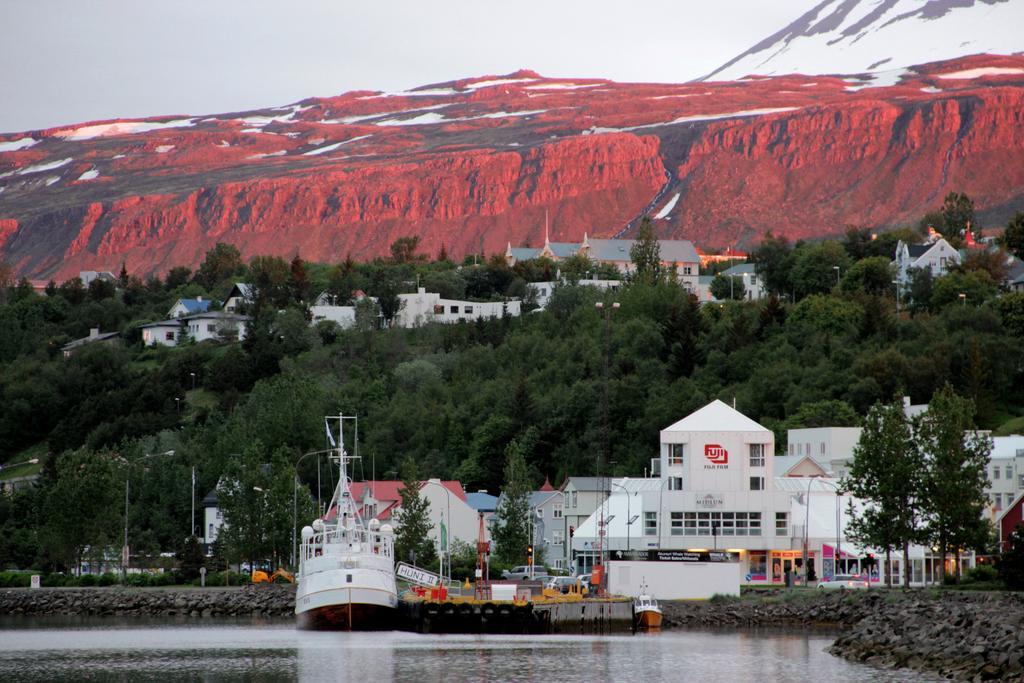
{"points": [[359, 540]]}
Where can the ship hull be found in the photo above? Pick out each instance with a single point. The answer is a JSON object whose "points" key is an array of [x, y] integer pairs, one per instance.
{"points": [[329, 601], [352, 616], [648, 619]]}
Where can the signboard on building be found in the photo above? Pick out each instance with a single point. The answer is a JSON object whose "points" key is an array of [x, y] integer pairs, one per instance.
{"points": [[716, 454], [710, 501], [416, 575], [663, 555]]}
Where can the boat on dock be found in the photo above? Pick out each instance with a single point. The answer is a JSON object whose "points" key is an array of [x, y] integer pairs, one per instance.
{"points": [[346, 577]]}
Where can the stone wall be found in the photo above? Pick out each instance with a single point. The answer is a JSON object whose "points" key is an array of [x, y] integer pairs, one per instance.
{"points": [[262, 600]]}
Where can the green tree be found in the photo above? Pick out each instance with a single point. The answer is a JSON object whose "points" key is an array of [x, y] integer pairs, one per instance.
{"points": [[646, 254], [512, 518], [1013, 236], [83, 507], [957, 216], [871, 275], [221, 263], [827, 413], [817, 268], [1011, 312], [412, 542], [976, 286], [732, 287], [403, 250], [886, 474], [271, 283], [956, 463], [190, 558], [774, 259], [299, 280]]}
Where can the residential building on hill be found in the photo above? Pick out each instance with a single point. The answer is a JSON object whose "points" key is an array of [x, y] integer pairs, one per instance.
{"points": [[543, 291], [215, 325], [678, 254], [95, 337], [183, 307], [240, 296], [425, 307], [936, 257]]}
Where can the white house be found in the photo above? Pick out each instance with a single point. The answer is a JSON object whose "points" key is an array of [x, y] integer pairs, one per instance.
{"points": [[829, 447], [425, 307], [239, 297], [344, 316], [936, 257], [183, 307], [543, 291], [1005, 472], [216, 325], [213, 520]]}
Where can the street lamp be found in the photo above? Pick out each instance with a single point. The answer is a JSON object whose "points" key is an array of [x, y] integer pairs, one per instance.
{"points": [[836, 268], [125, 553], [447, 549], [629, 517], [177, 405], [963, 298], [193, 380], [897, 283], [295, 499], [33, 461], [807, 521]]}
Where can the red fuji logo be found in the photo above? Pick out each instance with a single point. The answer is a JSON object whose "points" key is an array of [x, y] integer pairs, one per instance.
{"points": [[716, 454]]}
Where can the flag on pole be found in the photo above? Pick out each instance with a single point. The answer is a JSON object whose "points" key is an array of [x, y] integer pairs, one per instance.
{"points": [[444, 536], [330, 437]]}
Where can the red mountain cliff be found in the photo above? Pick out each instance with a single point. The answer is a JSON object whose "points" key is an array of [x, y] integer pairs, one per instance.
{"points": [[475, 164]]}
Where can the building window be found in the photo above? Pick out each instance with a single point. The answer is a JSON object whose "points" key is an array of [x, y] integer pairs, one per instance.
{"points": [[1009, 472], [211, 532], [722, 523], [556, 537], [676, 520], [676, 453], [220, 515], [997, 501], [169, 336], [675, 483], [438, 309], [469, 309], [781, 523], [995, 472], [687, 270], [211, 327], [575, 500], [757, 455], [556, 512], [823, 448], [540, 513], [453, 309], [650, 523], [757, 483]]}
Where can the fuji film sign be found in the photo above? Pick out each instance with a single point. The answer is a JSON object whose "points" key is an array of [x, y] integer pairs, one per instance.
{"points": [[716, 454]]}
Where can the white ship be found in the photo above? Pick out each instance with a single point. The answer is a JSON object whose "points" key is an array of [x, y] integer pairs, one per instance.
{"points": [[346, 577]]}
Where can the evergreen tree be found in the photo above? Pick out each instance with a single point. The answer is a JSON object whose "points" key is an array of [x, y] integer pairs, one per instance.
{"points": [[730, 287], [299, 280], [956, 463], [646, 254], [681, 331], [220, 263], [887, 475], [511, 530], [957, 216], [190, 559], [774, 259], [411, 538]]}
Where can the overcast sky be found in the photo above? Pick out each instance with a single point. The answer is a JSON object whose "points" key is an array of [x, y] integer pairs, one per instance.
{"points": [[66, 61]]}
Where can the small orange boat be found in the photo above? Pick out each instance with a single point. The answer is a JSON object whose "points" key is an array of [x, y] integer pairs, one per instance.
{"points": [[646, 613]]}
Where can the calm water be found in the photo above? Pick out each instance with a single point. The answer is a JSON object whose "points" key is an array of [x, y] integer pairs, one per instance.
{"points": [[137, 650]]}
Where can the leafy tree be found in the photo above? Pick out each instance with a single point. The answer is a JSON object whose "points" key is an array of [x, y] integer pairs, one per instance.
{"points": [[919, 293], [271, 279], [342, 282], [827, 413], [82, 508], [177, 277], [817, 268], [411, 538], [299, 280], [100, 289], [512, 518], [827, 314], [991, 262], [681, 331], [956, 463], [732, 287], [221, 263], [886, 474], [957, 216], [872, 275], [190, 558], [646, 254], [976, 285], [1011, 312], [774, 259], [1013, 236]]}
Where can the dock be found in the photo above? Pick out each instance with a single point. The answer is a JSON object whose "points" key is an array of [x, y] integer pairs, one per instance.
{"points": [[539, 616]]}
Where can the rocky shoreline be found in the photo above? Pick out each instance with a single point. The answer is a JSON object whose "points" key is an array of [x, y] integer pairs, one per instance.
{"points": [[973, 636], [247, 601]]}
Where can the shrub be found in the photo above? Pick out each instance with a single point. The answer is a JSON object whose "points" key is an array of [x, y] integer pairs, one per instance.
{"points": [[722, 599], [15, 579], [137, 580], [982, 572], [107, 579], [87, 580]]}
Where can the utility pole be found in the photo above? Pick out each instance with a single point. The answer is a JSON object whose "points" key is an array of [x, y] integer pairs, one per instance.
{"points": [[605, 455]]}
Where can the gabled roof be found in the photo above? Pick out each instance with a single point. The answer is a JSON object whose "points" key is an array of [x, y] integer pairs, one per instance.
{"points": [[242, 289], [716, 417], [208, 315], [524, 253], [563, 249], [194, 305], [783, 464], [482, 501], [538, 498], [918, 250], [88, 340], [681, 251], [583, 483]]}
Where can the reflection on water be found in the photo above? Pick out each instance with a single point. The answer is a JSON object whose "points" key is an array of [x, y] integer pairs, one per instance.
{"points": [[269, 651]]}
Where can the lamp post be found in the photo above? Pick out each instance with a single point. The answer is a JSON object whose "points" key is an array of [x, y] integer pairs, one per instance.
{"points": [[807, 521], [836, 268], [295, 499], [125, 553], [897, 283], [605, 437], [32, 461], [963, 298], [193, 380], [446, 550], [839, 551], [629, 517]]}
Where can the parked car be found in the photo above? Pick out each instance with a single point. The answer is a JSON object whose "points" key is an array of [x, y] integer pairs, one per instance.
{"points": [[522, 573], [564, 583], [841, 582]]}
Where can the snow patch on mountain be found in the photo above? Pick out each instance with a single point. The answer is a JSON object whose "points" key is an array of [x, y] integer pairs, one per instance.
{"points": [[15, 145], [858, 36], [119, 128]]}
